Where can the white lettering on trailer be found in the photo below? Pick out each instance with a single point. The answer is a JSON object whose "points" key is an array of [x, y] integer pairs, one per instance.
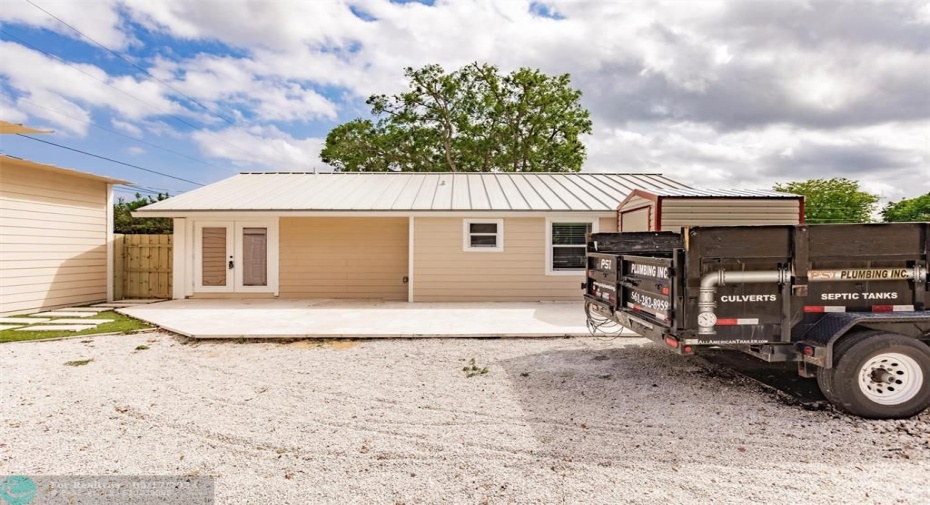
{"points": [[748, 298], [649, 302], [649, 270], [859, 296]]}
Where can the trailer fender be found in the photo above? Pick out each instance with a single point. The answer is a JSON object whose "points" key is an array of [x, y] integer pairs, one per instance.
{"points": [[818, 343]]}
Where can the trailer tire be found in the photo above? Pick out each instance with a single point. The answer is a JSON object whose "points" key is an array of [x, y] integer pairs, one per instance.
{"points": [[878, 375]]}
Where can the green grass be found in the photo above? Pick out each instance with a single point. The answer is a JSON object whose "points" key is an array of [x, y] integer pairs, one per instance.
{"points": [[80, 362], [120, 324]]}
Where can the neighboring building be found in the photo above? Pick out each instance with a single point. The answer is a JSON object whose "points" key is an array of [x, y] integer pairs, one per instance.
{"points": [[56, 237], [671, 209], [393, 236]]}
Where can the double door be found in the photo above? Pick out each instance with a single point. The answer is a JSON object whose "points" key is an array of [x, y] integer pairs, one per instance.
{"points": [[235, 257]]}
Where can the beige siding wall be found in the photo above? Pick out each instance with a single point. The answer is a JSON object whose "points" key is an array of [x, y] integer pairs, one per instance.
{"points": [[678, 212], [638, 202], [343, 258], [443, 271], [53, 233]]}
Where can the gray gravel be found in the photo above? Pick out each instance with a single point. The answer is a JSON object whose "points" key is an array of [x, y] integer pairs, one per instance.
{"points": [[553, 421]]}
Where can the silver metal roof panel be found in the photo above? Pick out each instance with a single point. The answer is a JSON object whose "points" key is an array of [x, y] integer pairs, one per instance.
{"points": [[431, 191]]}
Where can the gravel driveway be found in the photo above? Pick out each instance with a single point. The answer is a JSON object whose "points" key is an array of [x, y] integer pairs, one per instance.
{"points": [[553, 421]]}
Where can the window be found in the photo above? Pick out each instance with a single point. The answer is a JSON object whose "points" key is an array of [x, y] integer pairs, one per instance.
{"points": [[567, 245], [484, 235]]}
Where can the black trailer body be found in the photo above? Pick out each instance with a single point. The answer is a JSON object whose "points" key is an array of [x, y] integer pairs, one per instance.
{"points": [[781, 293]]}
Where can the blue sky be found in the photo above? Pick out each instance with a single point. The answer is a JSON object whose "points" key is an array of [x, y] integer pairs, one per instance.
{"points": [[720, 94]]}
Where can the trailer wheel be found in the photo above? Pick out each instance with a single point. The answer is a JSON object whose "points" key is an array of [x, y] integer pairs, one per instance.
{"points": [[878, 375]]}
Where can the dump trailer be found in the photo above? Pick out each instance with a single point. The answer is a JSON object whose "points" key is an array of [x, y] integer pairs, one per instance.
{"points": [[848, 303]]}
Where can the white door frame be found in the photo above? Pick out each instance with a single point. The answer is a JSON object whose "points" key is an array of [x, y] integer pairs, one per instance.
{"points": [[198, 256], [272, 259], [234, 247]]}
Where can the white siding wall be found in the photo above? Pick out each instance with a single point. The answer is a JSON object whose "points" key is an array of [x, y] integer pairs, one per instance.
{"points": [[53, 240]]}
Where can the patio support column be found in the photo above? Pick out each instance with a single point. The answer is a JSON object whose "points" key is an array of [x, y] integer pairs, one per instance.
{"points": [[179, 251], [411, 242]]}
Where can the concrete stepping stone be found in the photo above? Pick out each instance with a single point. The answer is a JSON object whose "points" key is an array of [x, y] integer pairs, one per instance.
{"points": [[58, 327], [82, 309], [22, 320], [79, 321], [115, 305], [9, 326], [61, 313]]}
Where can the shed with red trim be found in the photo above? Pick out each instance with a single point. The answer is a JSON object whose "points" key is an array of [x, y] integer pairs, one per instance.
{"points": [[670, 210]]}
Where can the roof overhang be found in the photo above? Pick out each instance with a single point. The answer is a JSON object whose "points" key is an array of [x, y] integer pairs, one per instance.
{"points": [[265, 214], [8, 128], [12, 161]]}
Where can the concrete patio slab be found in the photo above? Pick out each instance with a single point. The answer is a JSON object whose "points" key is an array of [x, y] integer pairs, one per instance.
{"points": [[80, 321], [61, 313], [361, 319], [95, 310], [58, 327], [23, 320], [9, 326]]}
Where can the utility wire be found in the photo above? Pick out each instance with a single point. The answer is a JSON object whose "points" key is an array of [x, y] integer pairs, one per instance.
{"points": [[130, 95], [114, 132], [137, 67], [111, 160]]}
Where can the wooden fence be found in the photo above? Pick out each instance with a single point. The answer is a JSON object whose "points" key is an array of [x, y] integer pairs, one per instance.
{"points": [[142, 266]]}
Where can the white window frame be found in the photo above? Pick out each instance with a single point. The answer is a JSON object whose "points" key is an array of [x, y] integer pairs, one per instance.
{"points": [[466, 235], [565, 219]]}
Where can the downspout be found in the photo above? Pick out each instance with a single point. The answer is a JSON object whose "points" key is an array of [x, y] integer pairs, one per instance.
{"points": [[706, 299]]}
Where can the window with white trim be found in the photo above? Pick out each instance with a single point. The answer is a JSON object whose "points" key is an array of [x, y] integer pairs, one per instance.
{"points": [[484, 235], [567, 246]]}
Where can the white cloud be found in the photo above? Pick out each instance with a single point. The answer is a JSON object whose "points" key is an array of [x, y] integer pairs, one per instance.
{"points": [[715, 93], [98, 20], [135, 151], [266, 148]]}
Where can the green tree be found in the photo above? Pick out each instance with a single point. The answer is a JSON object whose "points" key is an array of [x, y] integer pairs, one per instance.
{"points": [[123, 222], [908, 210], [471, 120], [837, 200]]}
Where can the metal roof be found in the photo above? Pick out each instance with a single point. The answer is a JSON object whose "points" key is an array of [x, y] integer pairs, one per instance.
{"points": [[414, 191], [719, 193]]}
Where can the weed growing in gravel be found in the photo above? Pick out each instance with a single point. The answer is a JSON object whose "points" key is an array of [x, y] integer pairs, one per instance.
{"points": [[472, 369], [80, 362], [141, 347]]}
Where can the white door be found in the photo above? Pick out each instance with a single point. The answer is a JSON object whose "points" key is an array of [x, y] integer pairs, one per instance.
{"points": [[214, 257], [235, 257]]}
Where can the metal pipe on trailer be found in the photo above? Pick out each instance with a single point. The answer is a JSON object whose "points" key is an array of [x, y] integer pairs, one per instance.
{"points": [[707, 317]]}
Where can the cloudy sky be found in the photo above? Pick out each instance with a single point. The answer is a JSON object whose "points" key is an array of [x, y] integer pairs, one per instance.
{"points": [[715, 94]]}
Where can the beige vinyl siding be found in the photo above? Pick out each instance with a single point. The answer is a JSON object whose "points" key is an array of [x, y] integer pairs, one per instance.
{"points": [[635, 206], [53, 240], [636, 220], [606, 224], [344, 257], [678, 212], [443, 271]]}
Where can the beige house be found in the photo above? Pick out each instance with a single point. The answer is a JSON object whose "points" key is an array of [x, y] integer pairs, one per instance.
{"points": [[56, 237], [392, 236], [670, 209]]}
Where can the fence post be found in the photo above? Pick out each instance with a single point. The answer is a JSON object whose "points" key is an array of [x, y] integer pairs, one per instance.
{"points": [[118, 270]]}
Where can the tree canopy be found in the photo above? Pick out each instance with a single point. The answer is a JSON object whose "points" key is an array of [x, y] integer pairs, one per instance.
{"points": [[908, 210], [123, 222], [837, 200], [471, 120]]}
